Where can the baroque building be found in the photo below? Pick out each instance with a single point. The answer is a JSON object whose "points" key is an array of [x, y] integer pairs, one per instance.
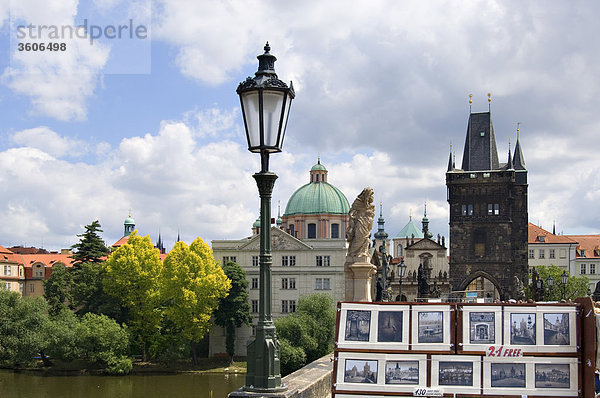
{"points": [[308, 247], [488, 215]]}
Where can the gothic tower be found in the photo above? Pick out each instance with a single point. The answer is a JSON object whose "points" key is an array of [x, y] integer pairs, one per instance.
{"points": [[488, 213]]}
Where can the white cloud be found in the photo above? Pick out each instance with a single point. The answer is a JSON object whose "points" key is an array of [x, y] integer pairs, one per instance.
{"points": [[44, 139]]}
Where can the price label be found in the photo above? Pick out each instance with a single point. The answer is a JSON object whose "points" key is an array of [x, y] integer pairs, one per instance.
{"points": [[427, 392], [502, 351]]}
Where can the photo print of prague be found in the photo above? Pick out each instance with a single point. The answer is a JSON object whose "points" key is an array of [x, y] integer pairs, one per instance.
{"points": [[360, 371], [358, 325], [430, 327], [389, 326], [481, 325], [522, 329], [556, 329]]}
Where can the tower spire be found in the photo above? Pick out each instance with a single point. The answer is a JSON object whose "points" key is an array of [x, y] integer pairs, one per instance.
{"points": [[425, 223], [450, 168], [518, 160]]}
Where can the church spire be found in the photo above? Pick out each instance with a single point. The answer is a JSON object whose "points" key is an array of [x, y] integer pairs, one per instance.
{"points": [[450, 164], [425, 223], [509, 163], [518, 160], [381, 234]]}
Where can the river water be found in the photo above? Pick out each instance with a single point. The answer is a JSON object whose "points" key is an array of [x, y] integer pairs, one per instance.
{"points": [[188, 385]]}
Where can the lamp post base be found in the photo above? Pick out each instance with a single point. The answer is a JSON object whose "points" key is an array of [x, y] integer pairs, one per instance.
{"points": [[264, 374]]}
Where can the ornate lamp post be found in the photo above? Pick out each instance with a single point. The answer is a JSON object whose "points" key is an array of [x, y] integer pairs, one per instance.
{"points": [[564, 278], [402, 273], [265, 104], [550, 283], [540, 290]]}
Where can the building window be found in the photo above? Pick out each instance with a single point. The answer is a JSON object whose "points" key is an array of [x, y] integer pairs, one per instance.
{"points": [[21, 287], [582, 269], [288, 261], [398, 250], [288, 306], [563, 253], [486, 175], [254, 306], [542, 239], [479, 242], [288, 283], [496, 209], [531, 253], [39, 272], [255, 261], [254, 284], [463, 210], [20, 271], [335, 231], [592, 269], [490, 209], [322, 284], [551, 253], [312, 231], [582, 251], [469, 210], [31, 288], [292, 230], [7, 286], [542, 253], [7, 270], [227, 259], [323, 261]]}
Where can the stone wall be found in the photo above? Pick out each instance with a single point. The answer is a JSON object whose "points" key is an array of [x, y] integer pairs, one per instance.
{"points": [[311, 381]]}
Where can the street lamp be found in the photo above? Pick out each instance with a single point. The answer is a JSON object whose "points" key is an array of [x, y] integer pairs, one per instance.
{"points": [[550, 283], [265, 102], [402, 272], [540, 291], [564, 278], [384, 267]]}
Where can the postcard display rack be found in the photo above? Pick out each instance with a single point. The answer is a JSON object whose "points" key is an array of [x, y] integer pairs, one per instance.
{"points": [[464, 350]]}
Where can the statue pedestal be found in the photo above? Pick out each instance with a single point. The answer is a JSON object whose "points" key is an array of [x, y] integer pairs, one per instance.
{"points": [[358, 280]]}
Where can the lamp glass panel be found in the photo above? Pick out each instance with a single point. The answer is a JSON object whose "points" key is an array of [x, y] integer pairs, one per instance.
{"points": [[286, 112], [272, 103], [250, 104]]}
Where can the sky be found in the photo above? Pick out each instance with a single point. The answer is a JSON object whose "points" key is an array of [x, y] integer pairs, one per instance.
{"points": [[148, 123]]}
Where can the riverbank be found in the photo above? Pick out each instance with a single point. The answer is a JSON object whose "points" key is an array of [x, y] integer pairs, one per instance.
{"points": [[205, 365]]}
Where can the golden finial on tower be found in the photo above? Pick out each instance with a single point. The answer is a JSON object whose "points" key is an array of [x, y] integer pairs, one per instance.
{"points": [[518, 126], [470, 101], [409, 214], [489, 101]]}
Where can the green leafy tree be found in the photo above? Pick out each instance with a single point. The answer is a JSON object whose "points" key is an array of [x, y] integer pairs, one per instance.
{"points": [[88, 293], [234, 310], [91, 248], [311, 329], [132, 274], [22, 325], [60, 335], [103, 342], [291, 358], [321, 308], [57, 289], [192, 285], [577, 286]]}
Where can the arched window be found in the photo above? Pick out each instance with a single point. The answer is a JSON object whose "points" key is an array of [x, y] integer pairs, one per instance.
{"points": [[312, 231], [335, 231], [292, 230]]}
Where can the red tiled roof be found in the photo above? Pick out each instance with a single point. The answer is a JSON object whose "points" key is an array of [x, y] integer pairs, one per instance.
{"points": [[589, 243], [535, 232], [8, 256], [47, 259], [121, 241]]}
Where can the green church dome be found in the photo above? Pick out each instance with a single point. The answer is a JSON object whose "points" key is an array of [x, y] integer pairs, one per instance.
{"points": [[318, 196], [129, 221], [409, 231]]}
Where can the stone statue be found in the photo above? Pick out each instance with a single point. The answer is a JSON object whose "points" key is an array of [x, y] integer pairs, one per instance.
{"points": [[359, 227], [519, 289]]}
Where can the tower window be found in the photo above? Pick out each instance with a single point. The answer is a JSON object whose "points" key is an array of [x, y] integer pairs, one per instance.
{"points": [[482, 133], [312, 231], [470, 210], [317, 177], [292, 230], [335, 231]]}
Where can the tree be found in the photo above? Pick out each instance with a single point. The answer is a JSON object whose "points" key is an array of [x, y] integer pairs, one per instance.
{"points": [[311, 329], [321, 308], [103, 342], [233, 310], [22, 326], [577, 286], [57, 289], [192, 286], [88, 293], [132, 274], [91, 248]]}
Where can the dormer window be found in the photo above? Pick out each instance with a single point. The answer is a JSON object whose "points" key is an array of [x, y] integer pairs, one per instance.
{"points": [[542, 239]]}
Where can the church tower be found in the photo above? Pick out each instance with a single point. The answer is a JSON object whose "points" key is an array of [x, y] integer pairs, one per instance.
{"points": [[488, 214]]}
